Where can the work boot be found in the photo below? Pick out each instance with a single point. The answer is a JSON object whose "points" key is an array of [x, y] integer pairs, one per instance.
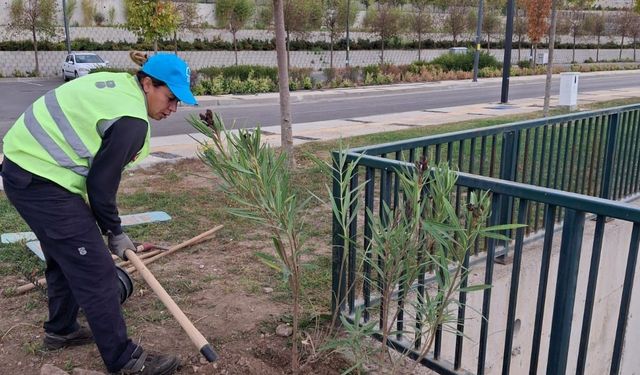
{"points": [[53, 341], [149, 363]]}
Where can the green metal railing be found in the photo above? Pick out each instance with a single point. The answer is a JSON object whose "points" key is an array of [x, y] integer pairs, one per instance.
{"points": [[539, 172]]}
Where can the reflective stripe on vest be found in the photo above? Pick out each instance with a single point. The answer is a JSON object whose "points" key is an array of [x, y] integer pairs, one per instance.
{"points": [[36, 130], [70, 135]]}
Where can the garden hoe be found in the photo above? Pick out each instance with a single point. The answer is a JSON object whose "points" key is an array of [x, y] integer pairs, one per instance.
{"points": [[193, 333]]}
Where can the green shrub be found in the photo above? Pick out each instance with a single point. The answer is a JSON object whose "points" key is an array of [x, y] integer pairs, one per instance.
{"points": [[489, 72], [369, 79], [293, 85], [307, 83], [298, 74], [417, 66], [524, 63], [211, 86], [373, 70], [242, 72], [464, 61], [220, 85]]}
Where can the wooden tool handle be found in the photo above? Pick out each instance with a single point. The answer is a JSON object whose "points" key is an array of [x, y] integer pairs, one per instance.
{"points": [[193, 333]]}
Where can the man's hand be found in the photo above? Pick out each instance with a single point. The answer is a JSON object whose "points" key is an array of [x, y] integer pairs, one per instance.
{"points": [[118, 243]]}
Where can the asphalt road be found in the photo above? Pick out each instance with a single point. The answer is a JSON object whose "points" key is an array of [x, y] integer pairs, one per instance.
{"points": [[16, 96]]}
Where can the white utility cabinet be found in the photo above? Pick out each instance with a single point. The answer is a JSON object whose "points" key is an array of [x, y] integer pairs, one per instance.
{"points": [[569, 89]]}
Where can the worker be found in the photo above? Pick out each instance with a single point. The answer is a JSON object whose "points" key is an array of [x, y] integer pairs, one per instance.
{"points": [[63, 160]]}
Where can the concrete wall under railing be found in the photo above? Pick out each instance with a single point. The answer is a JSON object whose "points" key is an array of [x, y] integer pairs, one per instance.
{"points": [[51, 61], [605, 316]]}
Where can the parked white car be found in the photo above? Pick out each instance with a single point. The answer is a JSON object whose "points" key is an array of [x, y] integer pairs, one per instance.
{"points": [[78, 64]]}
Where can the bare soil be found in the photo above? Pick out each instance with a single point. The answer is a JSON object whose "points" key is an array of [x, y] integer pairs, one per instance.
{"points": [[220, 286]]}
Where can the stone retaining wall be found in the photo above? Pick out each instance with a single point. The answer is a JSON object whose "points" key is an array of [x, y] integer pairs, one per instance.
{"points": [[51, 61]]}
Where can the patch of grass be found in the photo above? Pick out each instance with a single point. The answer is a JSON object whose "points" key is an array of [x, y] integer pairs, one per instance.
{"points": [[33, 302], [33, 347], [210, 278], [11, 221], [251, 286], [612, 103], [199, 210], [315, 280], [158, 313], [68, 365], [172, 177], [181, 287]]}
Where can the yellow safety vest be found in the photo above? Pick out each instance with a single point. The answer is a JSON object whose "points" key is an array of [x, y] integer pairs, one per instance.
{"points": [[58, 136]]}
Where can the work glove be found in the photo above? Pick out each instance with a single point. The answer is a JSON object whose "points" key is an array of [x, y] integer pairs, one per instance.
{"points": [[118, 243]]}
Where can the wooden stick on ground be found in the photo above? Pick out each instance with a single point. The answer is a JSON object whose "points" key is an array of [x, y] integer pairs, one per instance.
{"points": [[148, 258], [197, 239]]}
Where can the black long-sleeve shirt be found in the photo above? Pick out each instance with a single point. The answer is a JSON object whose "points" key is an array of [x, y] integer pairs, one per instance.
{"points": [[120, 145]]}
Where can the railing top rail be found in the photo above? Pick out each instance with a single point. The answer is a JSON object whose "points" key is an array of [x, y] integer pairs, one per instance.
{"points": [[579, 202], [490, 130]]}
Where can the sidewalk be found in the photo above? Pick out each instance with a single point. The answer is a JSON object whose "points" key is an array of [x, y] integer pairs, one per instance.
{"points": [[172, 148]]}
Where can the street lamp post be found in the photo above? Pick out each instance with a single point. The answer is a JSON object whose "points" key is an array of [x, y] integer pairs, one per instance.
{"points": [[347, 29], [66, 26], [506, 62], [476, 57]]}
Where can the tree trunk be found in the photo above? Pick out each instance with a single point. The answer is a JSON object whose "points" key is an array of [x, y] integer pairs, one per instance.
{"points": [[283, 83], [534, 48], [36, 72], [621, 46], [519, 47], [381, 51], [175, 42], [235, 45], [155, 46], [634, 49], [288, 47], [331, 52], [552, 39], [488, 42], [295, 290], [598, 50], [573, 55], [419, 47]]}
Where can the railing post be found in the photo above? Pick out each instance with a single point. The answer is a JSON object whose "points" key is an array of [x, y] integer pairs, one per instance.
{"points": [[508, 165], [609, 155], [570, 248], [338, 274]]}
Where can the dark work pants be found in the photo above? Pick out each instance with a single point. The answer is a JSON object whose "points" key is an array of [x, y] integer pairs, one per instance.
{"points": [[80, 271]]}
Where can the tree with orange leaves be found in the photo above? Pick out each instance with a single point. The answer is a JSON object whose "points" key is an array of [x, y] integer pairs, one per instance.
{"points": [[537, 21]]}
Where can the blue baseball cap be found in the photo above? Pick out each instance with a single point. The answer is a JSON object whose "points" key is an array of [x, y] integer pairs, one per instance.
{"points": [[173, 71]]}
